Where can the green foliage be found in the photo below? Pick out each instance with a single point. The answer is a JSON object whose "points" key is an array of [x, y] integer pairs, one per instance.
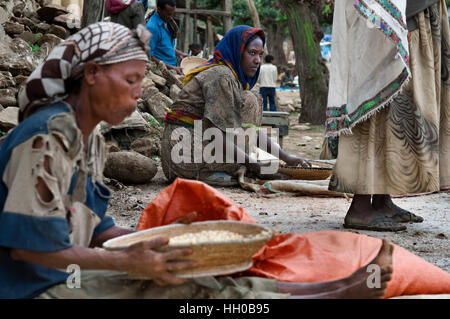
{"points": [[268, 13], [34, 47], [154, 123], [2, 133]]}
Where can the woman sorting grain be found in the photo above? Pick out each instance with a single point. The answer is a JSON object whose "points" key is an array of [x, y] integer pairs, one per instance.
{"points": [[216, 95], [53, 202]]}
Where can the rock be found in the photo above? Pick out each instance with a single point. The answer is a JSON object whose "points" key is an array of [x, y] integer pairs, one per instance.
{"points": [[8, 97], [18, 9], [20, 47], [129, 167], [147, 146], [6, 80], [300, 127], [49, 12], [69, 21], [158, 105], [284, 101], [28, 36], [164, 90], [58, 31], [159, 80], [19, 79], [25, 21], [148, 92], [147, 82], [112, 147], [12, 28], [44, 50], [170, 77], [3, 15], [9, 118], [18, 67], [307, 138], [297, 103], [42, 27], [51, 39], [174, 91]]}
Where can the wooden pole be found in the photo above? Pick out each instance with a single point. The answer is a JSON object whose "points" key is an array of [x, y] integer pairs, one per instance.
{"points": [[227, 7], [196, 37], [210, 36], [93, 11], [187, 27]]}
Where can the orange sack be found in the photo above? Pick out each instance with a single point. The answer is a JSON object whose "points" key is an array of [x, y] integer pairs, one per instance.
{"points": [[308, 257]]}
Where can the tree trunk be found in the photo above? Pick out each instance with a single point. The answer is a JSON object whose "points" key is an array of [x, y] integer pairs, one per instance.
{"points": [[253, 13], [93, 11], [313, 74], [275, 38]]}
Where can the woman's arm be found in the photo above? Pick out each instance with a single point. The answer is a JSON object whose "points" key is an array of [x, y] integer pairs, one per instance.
{"points": [[139, 259], [112, 232], [273, 148]]}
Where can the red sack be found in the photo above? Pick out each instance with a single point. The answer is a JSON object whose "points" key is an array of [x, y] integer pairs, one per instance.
{"points": [[308, 257]]}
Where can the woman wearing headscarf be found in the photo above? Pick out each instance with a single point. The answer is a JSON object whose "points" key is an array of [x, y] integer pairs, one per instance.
{"points": [[53, 201], [52, 198], [216, 95]]}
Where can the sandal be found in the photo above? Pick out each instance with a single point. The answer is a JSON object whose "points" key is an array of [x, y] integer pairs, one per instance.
{"points": [[378, 224], [404, 216]]}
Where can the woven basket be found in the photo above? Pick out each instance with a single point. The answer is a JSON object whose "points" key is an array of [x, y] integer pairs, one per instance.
{"points": [[191, 62], [319, 172], [213, 258]]}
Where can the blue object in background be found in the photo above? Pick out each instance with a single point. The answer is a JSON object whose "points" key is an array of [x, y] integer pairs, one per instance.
{"points": [[325, 47]]}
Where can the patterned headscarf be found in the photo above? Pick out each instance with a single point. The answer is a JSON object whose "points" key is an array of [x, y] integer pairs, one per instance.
{"points": [[229, 51], [102, 42]]}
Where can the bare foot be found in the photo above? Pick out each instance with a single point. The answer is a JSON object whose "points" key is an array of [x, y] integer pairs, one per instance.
{"points": [[367, 282]]}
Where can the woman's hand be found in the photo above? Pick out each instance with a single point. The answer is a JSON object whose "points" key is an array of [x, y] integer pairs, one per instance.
{"points": [[142, 259], [295, 161], [256, 169]]}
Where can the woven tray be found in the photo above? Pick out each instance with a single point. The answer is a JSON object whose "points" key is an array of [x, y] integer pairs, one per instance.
{"points": [[213, 258], [319, 172]]}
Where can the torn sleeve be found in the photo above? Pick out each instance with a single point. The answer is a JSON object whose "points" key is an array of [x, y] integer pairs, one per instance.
{"points": [[28, 221]]}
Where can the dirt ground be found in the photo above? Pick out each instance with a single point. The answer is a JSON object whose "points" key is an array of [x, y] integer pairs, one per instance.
{"points": [[429, 239]]}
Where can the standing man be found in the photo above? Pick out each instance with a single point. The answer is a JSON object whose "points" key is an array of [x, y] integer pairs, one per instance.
{"points": [[164, 32], [268, 82]]}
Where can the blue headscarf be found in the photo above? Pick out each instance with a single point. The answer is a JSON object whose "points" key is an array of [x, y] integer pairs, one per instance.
{"points": [[229, 51]]}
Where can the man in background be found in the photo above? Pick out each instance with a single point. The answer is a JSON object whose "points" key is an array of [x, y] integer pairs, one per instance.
{"points": [[164, 32], [195, 49], [268, 82]]}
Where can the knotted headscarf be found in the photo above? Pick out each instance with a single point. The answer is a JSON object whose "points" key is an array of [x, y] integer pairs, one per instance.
{"points": [[102, 42], [229, 52]]}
